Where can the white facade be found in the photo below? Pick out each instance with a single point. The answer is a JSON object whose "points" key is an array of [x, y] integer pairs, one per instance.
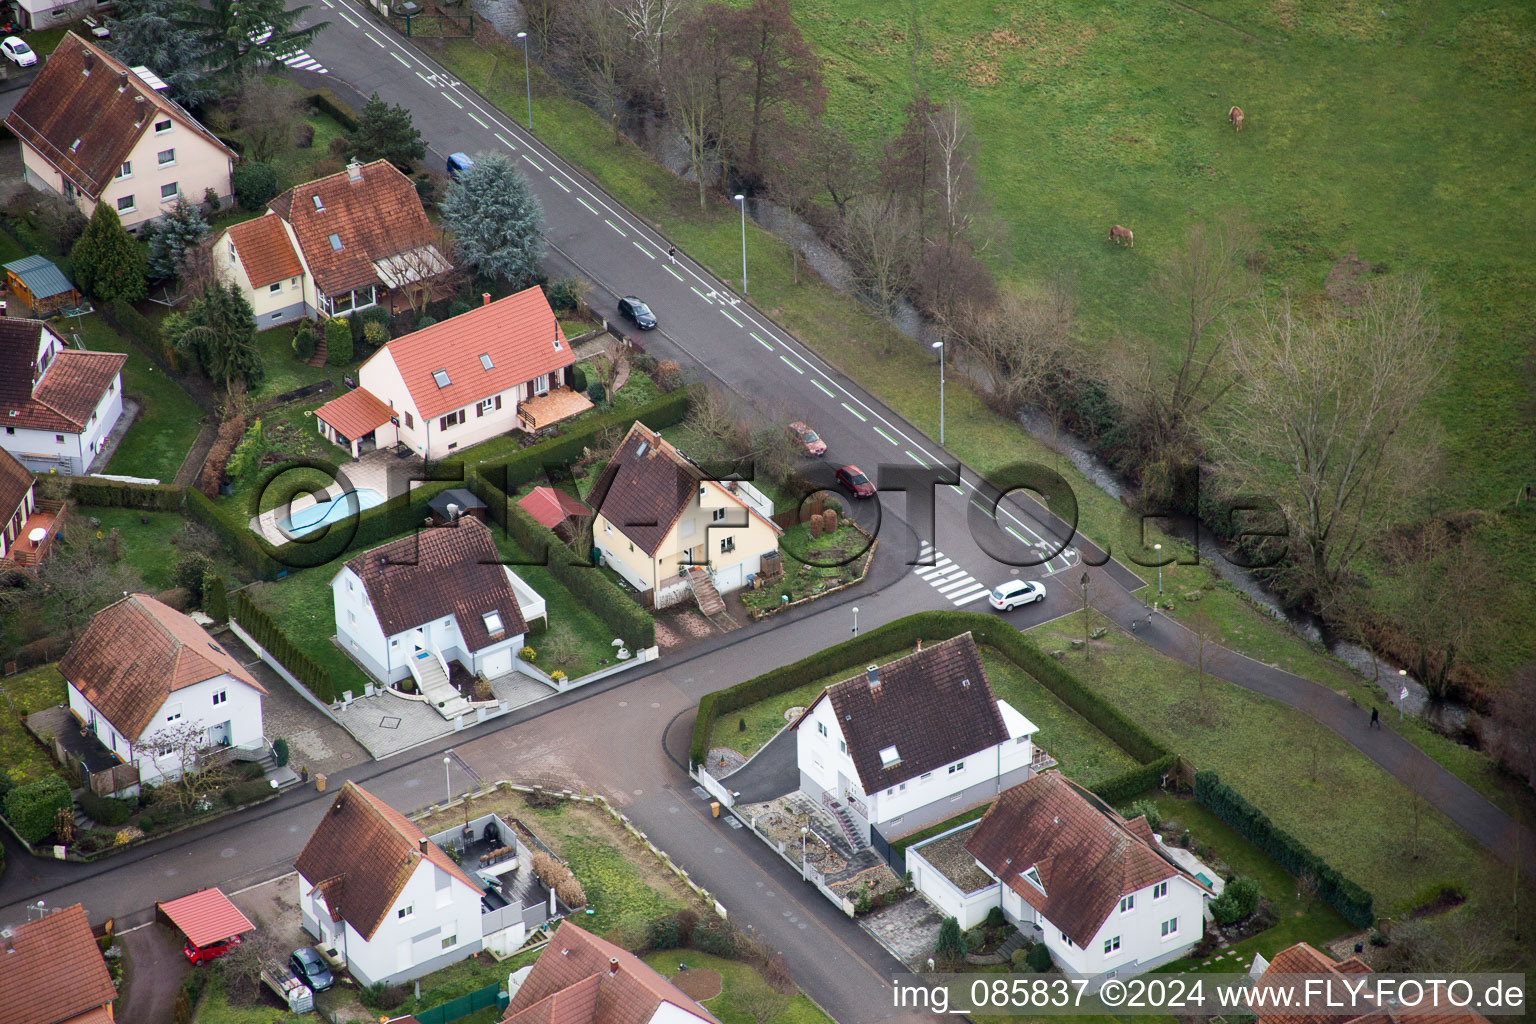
{"points": [[11, 529], [68, 452], [388, 657], [826, 766], [273, 304], [227, 708], [434, 921]]}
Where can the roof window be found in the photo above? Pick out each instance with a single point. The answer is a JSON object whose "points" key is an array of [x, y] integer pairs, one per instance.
{"points": [[485, 361], [1033, 878], [493, 623], [74, 147], [319, 203], [889, 758], [441, 378], [336, 243]]}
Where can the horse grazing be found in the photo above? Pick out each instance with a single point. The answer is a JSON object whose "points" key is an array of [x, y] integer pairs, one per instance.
{"points": [[1122, 236], [1235, 115]]}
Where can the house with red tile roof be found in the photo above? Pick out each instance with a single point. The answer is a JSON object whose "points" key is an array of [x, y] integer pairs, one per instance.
{"points": [[1099, 891], [582, 979], [18, 497], [329, 247], [502, 366], [57, 404], [94, 130], [1332, 1000], [51, 972], [143, 670], [372, 885]]}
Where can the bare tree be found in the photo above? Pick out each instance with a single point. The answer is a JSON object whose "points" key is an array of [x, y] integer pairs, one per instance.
{"points": [[952, 183], [594, 41], [1419, 774], [195, 773], [779, 70], [1446, 599], [1514, 716], [540, 18], [651, 23], [80, 579], [879, 238], [691, 81], [268, 114], [1022, 342], [761, 1000], [431, 273], [1206, 635], [1325, 424], [813, 161], [721, 424]]}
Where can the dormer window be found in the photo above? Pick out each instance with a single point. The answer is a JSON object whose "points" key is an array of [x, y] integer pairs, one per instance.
{"points": [[319, 205], [1032, 876], [335, 243], [485, 361], [440, 377], [889, 758]]}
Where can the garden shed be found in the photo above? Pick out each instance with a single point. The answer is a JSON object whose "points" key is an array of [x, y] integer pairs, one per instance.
{"points": [[41, 285]]}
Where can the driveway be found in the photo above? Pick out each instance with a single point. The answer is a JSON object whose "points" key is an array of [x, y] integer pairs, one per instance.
{"points": [[314, 741], [772, 771], [156, 967], [386, 724]]}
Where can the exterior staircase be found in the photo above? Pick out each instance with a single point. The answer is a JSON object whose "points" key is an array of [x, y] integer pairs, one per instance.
{"points": [[434, 685], [318, 359], [710, 601], [845, 822], [1015, 940]]}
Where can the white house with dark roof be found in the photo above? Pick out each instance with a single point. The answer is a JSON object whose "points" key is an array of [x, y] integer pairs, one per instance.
{"points": [[917, 740], [57, 404]]}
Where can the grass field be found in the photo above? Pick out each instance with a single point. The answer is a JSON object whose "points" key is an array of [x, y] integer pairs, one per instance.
{"points": [[731, 1005], [42, 687], [153, 542]]}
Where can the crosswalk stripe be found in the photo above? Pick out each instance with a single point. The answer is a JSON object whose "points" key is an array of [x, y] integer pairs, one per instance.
{"points": [[968, 581], [942, 561], [965, 591], [927, 571], [974, 597]]}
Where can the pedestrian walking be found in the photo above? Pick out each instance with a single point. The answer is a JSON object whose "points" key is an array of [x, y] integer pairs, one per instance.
{"points": [[672, 254], [1375, 718]]}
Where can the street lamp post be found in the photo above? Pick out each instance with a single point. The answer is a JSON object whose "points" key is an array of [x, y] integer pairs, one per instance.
{"points": [[855, 620], [448, 776], [940, 346], [1402, 691], [742, 199], [1159, 548], [803, 869], [527, 78]]}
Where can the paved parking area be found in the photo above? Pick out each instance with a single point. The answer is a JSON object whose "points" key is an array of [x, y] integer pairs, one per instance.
{"points": [[386, 724], [910, 929], [519, 690], [314, 741]]}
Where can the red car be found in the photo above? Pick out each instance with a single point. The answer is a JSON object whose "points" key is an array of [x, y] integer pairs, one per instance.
{"points": [[807, 437], [212, 951], [853, 478]]}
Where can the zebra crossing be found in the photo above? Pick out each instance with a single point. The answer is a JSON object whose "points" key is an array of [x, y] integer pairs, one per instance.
{"points": [[301, 61], [958, 586]]}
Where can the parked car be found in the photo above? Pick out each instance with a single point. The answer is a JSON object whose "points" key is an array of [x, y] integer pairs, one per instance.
{"points": [[853, 478], [1016, 594], [633, 309], [311, 969], [458, 164], [807, 437], [212, 951], [18, 52]]}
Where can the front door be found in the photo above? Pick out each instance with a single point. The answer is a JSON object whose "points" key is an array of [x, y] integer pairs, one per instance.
{"points": [[219, 735]]}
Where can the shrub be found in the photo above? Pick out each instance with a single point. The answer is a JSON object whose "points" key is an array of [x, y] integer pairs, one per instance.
{"points": [[304, 341], [1147, 809], [375, 335], [1039, 958], [33, 808], [254, 183], [664, 933], [458, 307], [116, 494], [1019, 959], [596, 392], [314, 676], [543, 800], [578, 379], [425, 322], [245, 546], [304, 138], [247, 792], [190, 572], [104, 810], [669, 376], [338, 342], [950, 942], [715, 937], [358, 323], [564, 294], [179, 598], [215, 599], [995, 918], [1238, 900], [280, 751]]}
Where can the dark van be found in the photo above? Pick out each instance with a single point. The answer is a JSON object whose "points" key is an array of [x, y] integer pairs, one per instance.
{"points": [[458, 163]]}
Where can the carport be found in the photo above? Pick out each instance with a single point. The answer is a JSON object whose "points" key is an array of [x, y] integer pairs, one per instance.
{"points": [[207, 918]]}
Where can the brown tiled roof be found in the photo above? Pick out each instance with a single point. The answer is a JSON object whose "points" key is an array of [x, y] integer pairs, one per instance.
{"points": [[1086, 855], [645, 487], [934, 706], [15, 482], [582, 979], [68, 390], [375, 217], [355, 413], [136, 653], [265, 251], [447, 570], [519, 333], [75, 381], [54, 972], [551, 506], [106, 111], [361, 855], [1304, 959]]}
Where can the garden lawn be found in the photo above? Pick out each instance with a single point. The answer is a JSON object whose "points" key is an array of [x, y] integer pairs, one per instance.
{"points": [[216, 1009], [169, 420], [457, 979], [153, 542], [301, 605], [584, 637], [727, 1007], [284, 370], [813, 565], [1351, 812], [24, 760]]}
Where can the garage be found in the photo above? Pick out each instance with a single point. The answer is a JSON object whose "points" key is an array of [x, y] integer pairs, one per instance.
{"points": [[729, 578], [495, 663]]}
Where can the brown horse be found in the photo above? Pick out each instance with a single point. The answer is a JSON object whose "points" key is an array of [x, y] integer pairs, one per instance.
{"points": [[1122, 236], [1235, 115]]}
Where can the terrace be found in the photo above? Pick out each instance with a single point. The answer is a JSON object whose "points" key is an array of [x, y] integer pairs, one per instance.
{"points": [[498, 855], [36, 535]]}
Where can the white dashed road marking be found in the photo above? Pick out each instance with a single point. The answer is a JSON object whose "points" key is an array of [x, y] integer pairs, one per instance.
{"points": [[861, 416], [508, 143]]}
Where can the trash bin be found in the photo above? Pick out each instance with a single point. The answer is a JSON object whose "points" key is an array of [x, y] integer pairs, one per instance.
{"points": [[319, 782], [714, 808]]}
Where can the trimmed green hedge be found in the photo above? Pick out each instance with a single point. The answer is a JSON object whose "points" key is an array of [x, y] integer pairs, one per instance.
{"points": [[33, 809], [116, 494], [104, 810], [1345, 896], [315, 677], [237, 539]]}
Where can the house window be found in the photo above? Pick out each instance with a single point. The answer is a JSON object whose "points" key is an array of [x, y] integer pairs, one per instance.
{"points": [[485, 361], [175, 713], [450, 941], [453, 419], [335, 241], [351, 618], [59, 438], [1110, 945], [484, 406], [925, 776], [1127, 903], [221, 697], [1065, 940], [410, 423], [394, 643], [958, 766], [166, 157], [1170, 927], [275, 287], [170, 191], [231, 252], [319, 203], [842, 745], [125, 171], [405, 912], [727, 544], [821, 727], [1160, 890], [125, 204], [161, 127], [440, 377]]}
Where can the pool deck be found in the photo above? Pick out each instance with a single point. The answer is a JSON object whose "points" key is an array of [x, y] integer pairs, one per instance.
{"points": [[268, 524], [380, 471]]}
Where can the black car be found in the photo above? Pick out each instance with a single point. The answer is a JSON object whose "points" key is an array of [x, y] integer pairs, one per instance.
{"points": [[633, 309], [312, 970]]}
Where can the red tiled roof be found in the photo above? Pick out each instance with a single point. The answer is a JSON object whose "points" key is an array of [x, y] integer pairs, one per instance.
{"points": [[15, 481], [551, 507], [362, 854], [87, 124], [54, 972], [1085, 854], [645, 487], [75, 382], [355, 413], [206, 916], [582, 979], [135, 653], [69, 388], [1302, 959], [446, 570], [376, 217], [265, 251], [519, 333]]}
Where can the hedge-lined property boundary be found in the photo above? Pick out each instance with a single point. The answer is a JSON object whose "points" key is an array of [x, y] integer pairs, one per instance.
{"points": [[98, 493], [1347, 897], [264, 630]]}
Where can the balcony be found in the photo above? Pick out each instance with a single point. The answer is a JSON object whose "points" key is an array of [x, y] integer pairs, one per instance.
{"points": [[44, 522]]}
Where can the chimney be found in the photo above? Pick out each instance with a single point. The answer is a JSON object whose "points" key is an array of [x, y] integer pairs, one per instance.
{"points": [[919, 643], [873, 674], [423, 840], [122, 81], [354, 170], [485, 298], [88, 59], [613, 966]]}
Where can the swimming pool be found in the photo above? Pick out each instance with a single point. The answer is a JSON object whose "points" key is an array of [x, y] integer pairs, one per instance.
{"points": [[326, 512]]}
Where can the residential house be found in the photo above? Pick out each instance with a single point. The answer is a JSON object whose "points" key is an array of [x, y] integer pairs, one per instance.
{"points": [[659, 515], [58, 404], [1098, 890], [373, 886], [51, 972], [142, 670], [1331, 999], [431, 605], [582, 979], [502, 366], [917, 740], [40, 14], [261, 258], [94, 131], [27, 529]]}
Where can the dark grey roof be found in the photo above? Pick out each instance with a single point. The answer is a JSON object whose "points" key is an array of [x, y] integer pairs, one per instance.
{"points": [[466, 500]]}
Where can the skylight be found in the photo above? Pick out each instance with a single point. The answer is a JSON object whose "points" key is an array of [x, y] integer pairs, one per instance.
{"points": [[336, 242], [485, 361], [319, 205], [441, 377], [889, 758], [492, 622]]}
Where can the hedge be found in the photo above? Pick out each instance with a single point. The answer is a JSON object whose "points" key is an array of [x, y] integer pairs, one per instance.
{"points": [[1345, 896], [104, 810], [33, 809], [315, 677], [237, 539], [99, 493], [326, 103]]}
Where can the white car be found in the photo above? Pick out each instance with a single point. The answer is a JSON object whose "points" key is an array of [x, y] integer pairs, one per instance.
{"points": [[18, 52], [1016, 594]]}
